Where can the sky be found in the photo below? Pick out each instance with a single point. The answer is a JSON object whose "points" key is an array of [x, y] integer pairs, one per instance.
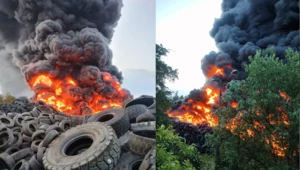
{"points": [[183, 28], [133, 46]]}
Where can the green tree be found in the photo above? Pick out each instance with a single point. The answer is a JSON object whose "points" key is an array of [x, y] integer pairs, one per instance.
{"points": [[6, 98], [174, 154], [263, 131], [163, 94]]}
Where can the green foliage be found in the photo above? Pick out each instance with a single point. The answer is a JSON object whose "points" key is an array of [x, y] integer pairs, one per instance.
{"points": [[163, 94], [174, 154], [6, 98], [265, 118]]}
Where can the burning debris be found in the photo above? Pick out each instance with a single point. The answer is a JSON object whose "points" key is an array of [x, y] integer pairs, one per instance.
{"points": [[243, 28], [61, 48]]}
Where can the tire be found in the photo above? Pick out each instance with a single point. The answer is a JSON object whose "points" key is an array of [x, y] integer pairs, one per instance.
{"points": [[6, 161], [35, 145], [88, 146], [116, 118], [146, 117], [18, 139], [49, 138], [149, 160], [34, 164], [12, 150], [149, 101], [143, 126], [128, 161], [141, 142], [29, 128], [22, 154], [65, 125], [8, 139], [21, 165], [134, 111], [123, 140], [8, 122], [18, 119], [40, 154]]}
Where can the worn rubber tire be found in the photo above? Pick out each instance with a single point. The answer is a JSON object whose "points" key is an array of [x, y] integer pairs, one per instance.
{"points": [[49, 138], [21, 165], [146, 117], [44, 127], [143, 126], [54, 127], [65, 125], [35, 145], [103, 152], [39, 134], [18, 139], [128, 161], [12, 150], [123, 140], [26, 138], [18, 119], [17, 129], [116, 118], [44, 120], [77, 120], [134, 111], [34, 164], [12, 115], [28, 128], [149, 160], [6, 161], [25, 145], [40, 154], [140, 142], [8, 122], [4, 144], [21, 154], [148, 101]]}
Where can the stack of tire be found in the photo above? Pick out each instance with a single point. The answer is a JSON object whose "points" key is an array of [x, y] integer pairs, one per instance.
{"points": [[25, 137], [43, 138]]}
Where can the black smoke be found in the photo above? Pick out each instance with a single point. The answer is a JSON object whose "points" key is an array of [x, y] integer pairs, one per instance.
{"points": [[246, 26], [40, 36]]}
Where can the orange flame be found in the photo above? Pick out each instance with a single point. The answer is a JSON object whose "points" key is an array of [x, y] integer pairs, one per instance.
{"points": [[201, 112], [57, 94]]}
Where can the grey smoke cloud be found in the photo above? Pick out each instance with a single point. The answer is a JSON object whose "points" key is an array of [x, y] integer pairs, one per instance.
{"points": [[38, 35]]}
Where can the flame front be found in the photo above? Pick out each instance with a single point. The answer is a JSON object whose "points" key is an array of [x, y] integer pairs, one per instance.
{"points": [[61, 94], [197, 112]]}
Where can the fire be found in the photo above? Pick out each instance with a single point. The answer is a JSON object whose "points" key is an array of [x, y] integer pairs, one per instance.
{"points": [[197, 112], [61, 94], [284, 96], [234, 104]]}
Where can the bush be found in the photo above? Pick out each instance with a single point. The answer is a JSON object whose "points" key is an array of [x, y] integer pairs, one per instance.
{"points": [[174, 154], [263, 131]]}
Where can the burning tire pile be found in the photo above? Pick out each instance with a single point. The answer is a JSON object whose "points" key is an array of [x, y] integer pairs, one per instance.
{"points": [[36, 136]]}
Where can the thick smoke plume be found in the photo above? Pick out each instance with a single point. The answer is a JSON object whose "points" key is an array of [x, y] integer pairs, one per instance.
{"points": [[62, 40], [244, 27]]}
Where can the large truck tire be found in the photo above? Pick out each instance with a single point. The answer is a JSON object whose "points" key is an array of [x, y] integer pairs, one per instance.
{"points": [[88, 146]]}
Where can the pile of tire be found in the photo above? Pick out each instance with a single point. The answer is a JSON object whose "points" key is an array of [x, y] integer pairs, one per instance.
{"points": [[117, 138]]}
